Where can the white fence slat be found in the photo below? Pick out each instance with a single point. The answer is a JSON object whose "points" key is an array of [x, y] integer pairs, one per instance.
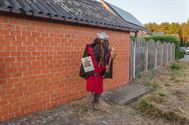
{"points": [[146, 55]]}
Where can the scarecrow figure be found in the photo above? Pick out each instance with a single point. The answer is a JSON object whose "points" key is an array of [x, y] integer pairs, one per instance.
{"points": [[98, 58]]}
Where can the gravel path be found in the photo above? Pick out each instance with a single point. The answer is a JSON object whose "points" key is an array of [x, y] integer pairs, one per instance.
{"points": [[75, 114]]}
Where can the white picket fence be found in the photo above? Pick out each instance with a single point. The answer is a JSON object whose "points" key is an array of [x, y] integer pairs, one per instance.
{"points": [[149, 55]]}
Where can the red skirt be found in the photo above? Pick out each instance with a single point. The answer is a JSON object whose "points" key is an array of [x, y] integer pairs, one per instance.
{"points": [[95, 84]]}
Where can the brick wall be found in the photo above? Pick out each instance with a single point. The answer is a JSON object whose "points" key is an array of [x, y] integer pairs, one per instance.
{"points": [[40, 61]]}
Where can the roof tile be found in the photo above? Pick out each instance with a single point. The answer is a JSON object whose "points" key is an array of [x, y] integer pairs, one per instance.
{"points": [[88, 12]]}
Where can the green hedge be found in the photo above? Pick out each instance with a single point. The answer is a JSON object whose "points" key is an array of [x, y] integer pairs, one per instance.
{"points": [[184, 44], [165, 38], [170, 39]]}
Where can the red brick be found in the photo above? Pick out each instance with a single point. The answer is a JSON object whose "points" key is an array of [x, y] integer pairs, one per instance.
{"points": [[11, 69], [26, 53], [15, 33], [15, 54], [21, 59], [5, 54], [26, 33], [20, 28], [22, 69], [10, 59], [21, 48], [21, 38], [16, 43], [31, 28], [4, 32], [31, 48], [30, 59], [10, 48], [9, 26], [15, 75], [4, 76], [2, 36], [4, 19]]}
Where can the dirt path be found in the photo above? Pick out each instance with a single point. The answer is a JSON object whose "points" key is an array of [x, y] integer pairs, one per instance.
{"points": [[170, 96]]}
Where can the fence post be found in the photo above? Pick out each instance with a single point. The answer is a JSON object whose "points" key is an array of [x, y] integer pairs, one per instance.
{"points": [[155, 55], [171, 52], [174, 50], [146, 66], [134, 58], [162, 54], [167, 54]]}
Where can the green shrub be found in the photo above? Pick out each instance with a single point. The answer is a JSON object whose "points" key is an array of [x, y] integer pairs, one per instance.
{"points": [[139, 76], [169, 39], [184, 44], [179, 54], [165, 38], [175, 66], [132, 38]]}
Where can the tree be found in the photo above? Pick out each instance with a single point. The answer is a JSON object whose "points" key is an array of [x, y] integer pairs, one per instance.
{"points": [[185, 31], [164, 27], [174, 28], [152, 27], [179, 30]]}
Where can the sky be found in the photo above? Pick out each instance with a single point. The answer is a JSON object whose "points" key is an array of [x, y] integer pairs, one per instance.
{"points": [[157, 11]]}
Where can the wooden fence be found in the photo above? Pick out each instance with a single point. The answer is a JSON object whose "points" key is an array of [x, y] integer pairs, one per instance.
{"points": [[149, 55]]}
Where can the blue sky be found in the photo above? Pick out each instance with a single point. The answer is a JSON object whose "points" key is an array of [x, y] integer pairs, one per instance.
{"points": [[156, 10]]}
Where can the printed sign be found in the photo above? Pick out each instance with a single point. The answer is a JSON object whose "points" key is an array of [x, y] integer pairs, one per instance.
{"points": [[87, 64]]}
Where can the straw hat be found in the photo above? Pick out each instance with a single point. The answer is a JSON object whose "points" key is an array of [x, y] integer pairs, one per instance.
{"points": [[102, 36]]}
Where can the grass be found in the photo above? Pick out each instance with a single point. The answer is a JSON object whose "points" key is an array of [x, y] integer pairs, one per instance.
{"points": [[175, 66], [139, 76], [162, 94], [151, 85], [159, 102], [148, 108]]}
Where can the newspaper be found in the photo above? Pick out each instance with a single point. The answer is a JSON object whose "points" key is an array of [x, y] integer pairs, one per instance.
{"points": [[87, 64]]}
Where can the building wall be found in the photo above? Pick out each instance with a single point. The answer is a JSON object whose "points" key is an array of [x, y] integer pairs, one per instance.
{"points": [[139, 34], [40, 62]]}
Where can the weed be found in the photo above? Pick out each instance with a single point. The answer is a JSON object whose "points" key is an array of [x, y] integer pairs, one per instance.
{"points": [[151, 85], [162, 94], [148, 108], [177, 81], [175, 66], [155, 98], [139, 76]]}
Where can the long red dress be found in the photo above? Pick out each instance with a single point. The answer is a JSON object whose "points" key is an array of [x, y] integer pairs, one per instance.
{"points": [[95, 82]]}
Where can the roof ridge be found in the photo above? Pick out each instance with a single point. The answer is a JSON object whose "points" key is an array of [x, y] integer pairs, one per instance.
{"points": [[87, 12]]}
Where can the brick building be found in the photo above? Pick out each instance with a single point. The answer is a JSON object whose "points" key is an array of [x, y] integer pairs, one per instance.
{"points": [[41, 45]]}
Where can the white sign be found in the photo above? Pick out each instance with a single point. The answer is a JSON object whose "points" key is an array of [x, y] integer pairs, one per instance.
{"points": [[87, 64]]}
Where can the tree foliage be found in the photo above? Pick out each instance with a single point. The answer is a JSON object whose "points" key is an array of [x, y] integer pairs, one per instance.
{"points": [[180, 30]]}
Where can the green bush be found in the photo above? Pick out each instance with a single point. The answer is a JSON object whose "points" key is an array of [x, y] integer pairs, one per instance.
{"points": [[169, 39], [132, 38], [165, 38], [175, 66], [184, 43], [179, 54]]}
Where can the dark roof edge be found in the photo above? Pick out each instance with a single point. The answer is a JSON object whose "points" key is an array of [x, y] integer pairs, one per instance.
{"points": [[143, 28], [6, 12]]}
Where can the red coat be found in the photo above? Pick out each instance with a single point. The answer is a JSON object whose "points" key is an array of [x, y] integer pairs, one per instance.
{"points": [[95, 82]]}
